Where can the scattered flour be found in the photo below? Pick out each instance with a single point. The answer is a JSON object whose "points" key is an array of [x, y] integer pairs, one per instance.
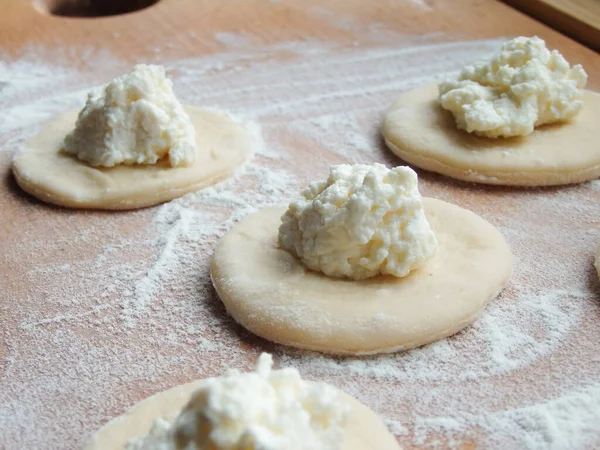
{"points": [[105, 309]]}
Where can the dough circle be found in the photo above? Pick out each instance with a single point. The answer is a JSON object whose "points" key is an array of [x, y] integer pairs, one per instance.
{"points": [[365, 431], [45, 171], [272, 294], [418, 130]]}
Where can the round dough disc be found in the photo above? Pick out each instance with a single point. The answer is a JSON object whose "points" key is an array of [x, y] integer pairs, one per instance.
{"points": [[418, 130], [272, 294], [45, 171], [364, 429]]}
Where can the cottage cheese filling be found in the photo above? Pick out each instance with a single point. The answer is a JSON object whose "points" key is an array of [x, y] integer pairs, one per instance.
{"points": [[262, 410], [134, 119], [524, 86], [364, 221]]}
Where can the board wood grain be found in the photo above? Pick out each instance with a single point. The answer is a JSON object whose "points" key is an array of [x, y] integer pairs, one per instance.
{"points": [[579, 19]]}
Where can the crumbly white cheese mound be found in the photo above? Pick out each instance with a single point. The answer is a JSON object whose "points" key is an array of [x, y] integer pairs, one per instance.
{"points": [[524, 86], [364, 221], [134, 119], [262, 410]]}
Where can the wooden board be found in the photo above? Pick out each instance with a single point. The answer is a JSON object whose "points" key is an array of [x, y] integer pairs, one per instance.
{"points": [[315, 76], [579, 19]]}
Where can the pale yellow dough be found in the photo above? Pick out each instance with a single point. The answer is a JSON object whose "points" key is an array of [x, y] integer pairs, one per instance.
{"points": [[45, 171], [425, 135], [273, 295], [364, 430]]}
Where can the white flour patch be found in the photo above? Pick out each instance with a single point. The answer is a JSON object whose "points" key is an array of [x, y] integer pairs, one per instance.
{"points": [[550, 424], [594, 185], [106, 308]]}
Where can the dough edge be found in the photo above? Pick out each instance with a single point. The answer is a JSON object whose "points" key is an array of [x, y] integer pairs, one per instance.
{"points": [[500, 178], [384, 350]]}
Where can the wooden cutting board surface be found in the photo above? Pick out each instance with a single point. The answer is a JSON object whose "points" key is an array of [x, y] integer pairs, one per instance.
{"points": [[99, 310], [578, 19]]}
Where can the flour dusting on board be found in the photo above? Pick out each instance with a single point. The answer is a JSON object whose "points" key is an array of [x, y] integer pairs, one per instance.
{"points": [[135, 313]]}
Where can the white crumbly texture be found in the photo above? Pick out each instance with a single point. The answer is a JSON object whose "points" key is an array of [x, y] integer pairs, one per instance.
{"points": [[261, 410], [364, 221], [134, 119], [523, 86]]}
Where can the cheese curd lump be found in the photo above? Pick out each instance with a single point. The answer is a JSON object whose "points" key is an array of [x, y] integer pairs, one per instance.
{"points": [[521, 117], [362, 222], [360, 264], [265, 409], [132, 145]]}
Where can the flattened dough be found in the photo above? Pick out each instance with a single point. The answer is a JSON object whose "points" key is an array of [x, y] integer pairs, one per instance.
{"points": [[418, 130], [364, 429], [273, 295], [48, 173]]}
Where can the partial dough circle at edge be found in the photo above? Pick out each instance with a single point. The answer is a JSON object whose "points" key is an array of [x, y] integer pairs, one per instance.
{"points": [[270, 293], [365, 431]]}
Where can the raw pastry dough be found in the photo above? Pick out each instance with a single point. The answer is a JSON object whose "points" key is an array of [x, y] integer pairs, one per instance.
{"points": [[50, 174], [272, 294], [364, 429], [423, 134]]}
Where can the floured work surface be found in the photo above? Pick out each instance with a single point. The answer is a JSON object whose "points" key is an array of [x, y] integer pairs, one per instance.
{"points": [[100, 310]]}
